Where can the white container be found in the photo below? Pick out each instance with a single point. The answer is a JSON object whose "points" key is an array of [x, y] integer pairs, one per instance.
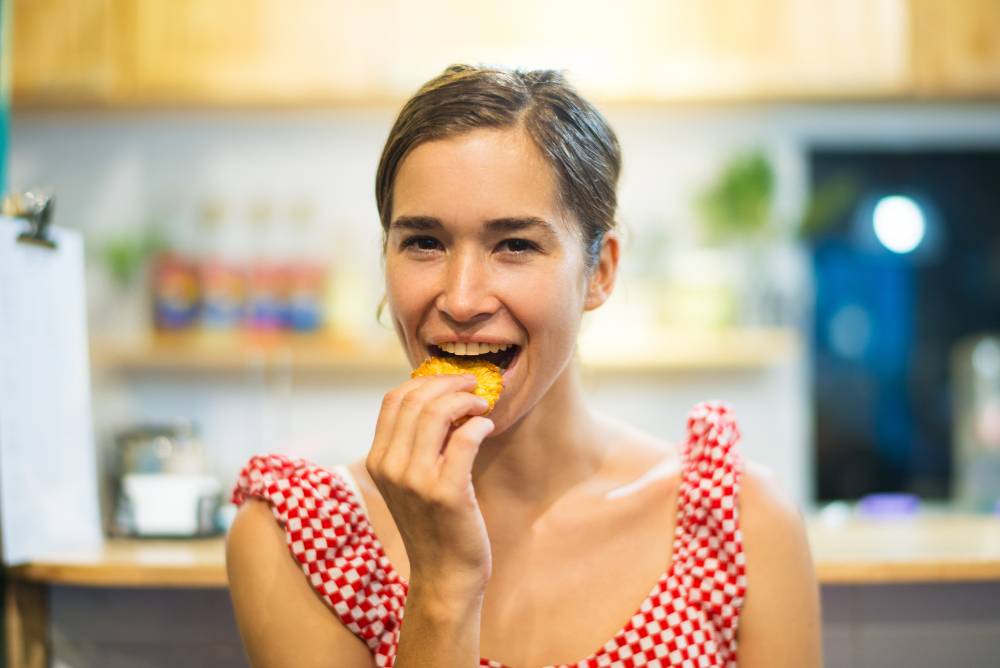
{"points": [[169, 504]]}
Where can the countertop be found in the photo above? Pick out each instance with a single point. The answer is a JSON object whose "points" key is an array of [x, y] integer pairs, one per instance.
{"points": [[846, 550]]}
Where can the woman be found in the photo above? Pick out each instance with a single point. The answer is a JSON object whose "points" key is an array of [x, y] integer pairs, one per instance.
{"points": [[531, 536]]}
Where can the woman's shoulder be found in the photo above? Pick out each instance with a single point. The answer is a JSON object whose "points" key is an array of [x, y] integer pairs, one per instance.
{"points": [[322, 523], [281, 620], [771, 521], [764, 497]]}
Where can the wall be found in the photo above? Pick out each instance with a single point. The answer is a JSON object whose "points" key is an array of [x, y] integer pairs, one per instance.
{"points": [[112, 169]]}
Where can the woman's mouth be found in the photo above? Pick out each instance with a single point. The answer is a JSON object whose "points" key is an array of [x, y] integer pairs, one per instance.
{"points": [[504, 359]]}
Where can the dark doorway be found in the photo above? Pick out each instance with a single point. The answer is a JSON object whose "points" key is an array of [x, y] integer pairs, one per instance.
{"points": [[886, 321]]}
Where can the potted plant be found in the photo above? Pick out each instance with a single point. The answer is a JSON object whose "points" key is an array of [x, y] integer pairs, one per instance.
{"points": [[736, 211]]}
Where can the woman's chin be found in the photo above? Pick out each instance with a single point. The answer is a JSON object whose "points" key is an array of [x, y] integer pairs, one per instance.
{"points": [[501, 421]]}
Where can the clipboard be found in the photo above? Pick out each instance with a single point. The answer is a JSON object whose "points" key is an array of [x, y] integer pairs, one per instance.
{"points": [[48, 467]]}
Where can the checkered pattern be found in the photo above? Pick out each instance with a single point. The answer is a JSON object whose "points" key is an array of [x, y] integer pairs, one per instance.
{"points": [[689, 619]]}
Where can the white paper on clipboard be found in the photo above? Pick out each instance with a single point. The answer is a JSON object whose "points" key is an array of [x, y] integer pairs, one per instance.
{"points": [[48, 466]]}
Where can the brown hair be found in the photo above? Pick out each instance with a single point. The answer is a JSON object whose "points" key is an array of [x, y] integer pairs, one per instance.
{"points": [[573, 136]]}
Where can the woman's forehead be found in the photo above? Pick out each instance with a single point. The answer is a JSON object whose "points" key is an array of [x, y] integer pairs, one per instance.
{"points": [[480, 175]]}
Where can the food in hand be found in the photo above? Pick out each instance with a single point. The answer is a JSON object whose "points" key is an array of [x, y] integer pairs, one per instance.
{"points": [[489, 381]]}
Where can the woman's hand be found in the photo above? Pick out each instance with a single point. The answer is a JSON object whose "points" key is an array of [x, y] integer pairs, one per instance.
{"points": [[422, 465]]}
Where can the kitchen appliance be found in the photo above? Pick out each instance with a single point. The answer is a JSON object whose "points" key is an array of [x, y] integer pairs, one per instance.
{"points": [[162, 485]]}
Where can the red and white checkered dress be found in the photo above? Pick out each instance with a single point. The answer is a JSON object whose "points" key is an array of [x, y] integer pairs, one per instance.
{"points": [[688, 620]]}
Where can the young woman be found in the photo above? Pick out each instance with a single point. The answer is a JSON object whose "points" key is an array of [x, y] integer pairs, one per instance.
{"points": [[544, 534]]}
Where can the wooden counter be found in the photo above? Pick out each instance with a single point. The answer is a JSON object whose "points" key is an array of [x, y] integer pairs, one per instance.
{"points": [[196, 562], [933, 548], [930, 548]]}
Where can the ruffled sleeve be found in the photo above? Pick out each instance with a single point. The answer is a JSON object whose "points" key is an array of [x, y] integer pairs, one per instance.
{"points": [[712, 568], [333, 542]]}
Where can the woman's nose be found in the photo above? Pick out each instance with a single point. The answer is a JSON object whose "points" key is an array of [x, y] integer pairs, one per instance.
{"points": [[466, 292]]}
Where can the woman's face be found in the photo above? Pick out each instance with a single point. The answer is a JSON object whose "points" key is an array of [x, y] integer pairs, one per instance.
{"points": [[479, 251]]}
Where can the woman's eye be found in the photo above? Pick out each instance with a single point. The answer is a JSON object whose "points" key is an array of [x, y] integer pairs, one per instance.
{"points": [[420, 243], [519, 246]]}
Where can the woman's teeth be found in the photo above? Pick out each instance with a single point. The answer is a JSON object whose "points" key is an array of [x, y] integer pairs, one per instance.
{"points": [[472, 348]]}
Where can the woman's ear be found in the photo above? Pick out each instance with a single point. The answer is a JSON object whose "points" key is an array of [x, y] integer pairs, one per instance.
{"points": [[602, 282]]}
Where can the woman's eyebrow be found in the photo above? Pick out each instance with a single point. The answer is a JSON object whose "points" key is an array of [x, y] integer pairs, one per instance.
{"points": [[420, 223], [519, 224], [495, 226]]}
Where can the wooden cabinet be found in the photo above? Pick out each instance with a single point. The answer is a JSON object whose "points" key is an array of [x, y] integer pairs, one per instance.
{"points": [[256, 51], [956, 47], [662, 50], [68, 51], [192, 52], [764, 49], [267, 52]]}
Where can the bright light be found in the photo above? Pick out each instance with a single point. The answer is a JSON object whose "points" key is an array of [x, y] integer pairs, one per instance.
{"points": [[899, 223]]}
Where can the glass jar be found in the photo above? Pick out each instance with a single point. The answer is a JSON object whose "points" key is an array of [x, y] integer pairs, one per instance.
{"points": [[976, 431]]}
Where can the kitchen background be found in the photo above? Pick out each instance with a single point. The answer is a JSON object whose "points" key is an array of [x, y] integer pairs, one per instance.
{"points": [[808, 203]]}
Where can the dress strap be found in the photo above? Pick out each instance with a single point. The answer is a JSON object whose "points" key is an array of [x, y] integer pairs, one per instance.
{"points": [[712, 466], [711, 566]]}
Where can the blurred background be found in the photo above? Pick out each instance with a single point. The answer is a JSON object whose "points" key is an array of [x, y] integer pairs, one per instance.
{"points": [[808, 200]]}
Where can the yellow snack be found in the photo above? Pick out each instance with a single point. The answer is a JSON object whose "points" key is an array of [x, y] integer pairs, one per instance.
{"points": [[489, 381]]}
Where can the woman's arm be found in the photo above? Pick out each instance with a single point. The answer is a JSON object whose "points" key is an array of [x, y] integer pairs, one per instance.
{"points": [[439, 625], [780, 622], [282, 621]]}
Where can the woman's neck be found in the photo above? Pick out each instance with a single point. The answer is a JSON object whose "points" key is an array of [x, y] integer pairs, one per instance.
{"points": [[552, 449]]}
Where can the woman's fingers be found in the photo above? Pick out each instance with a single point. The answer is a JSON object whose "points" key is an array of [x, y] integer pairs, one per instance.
{"points": [[387, 418], [396, 457], [436, 420], [463, 446], [441, 526]]}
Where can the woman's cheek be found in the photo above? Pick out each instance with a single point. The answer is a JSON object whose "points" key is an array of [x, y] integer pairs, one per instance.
{"points": [[407, 289]]}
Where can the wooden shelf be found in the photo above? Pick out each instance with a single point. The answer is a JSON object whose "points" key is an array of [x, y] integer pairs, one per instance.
{"points": [[928, 549], [221, 353], [673, 351]]}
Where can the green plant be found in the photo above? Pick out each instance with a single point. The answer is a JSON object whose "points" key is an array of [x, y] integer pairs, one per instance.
{"points": [[738, 205], [125, 253]]}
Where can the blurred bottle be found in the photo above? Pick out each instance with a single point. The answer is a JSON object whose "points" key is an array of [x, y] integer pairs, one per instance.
{"points": [[175, 287], [305, 272], [264, 274], [222, 278], [175, 292], [976, 432]]}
